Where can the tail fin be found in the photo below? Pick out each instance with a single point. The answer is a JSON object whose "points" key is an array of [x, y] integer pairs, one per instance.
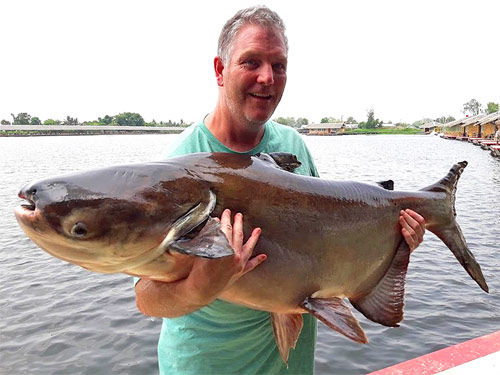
{"points": [[450, 232]]}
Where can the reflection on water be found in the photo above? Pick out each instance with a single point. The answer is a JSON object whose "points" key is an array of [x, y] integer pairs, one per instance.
{"points": [[59, 319]]}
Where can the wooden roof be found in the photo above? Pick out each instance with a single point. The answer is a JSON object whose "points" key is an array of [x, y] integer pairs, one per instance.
{"points": [[492, 117]]}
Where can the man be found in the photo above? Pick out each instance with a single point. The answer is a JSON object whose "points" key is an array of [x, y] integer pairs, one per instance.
{"points": [[202, 334]]}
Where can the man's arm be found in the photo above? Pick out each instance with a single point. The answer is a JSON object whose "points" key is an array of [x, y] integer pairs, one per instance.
{"points": [[207, 279]]}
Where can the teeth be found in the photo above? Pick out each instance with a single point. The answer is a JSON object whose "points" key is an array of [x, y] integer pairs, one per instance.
{"points": [[261, 95]]}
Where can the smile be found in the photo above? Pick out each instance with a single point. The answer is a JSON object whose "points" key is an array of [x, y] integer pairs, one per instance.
{"points": [[260, 96]]}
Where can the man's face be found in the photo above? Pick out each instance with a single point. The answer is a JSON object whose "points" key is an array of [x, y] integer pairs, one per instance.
{"points": [[255, 77]]}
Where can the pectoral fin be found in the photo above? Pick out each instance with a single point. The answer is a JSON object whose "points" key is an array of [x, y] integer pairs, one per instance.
{"points": [[210, 242], [286, 328], [337, 315]]}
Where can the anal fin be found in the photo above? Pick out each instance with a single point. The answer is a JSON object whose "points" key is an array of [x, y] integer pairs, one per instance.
{"points": [[385, 303], [337, 315], [286, 328]]}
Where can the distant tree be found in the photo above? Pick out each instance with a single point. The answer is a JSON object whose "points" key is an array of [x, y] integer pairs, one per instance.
{"points": [[292, 121], [325, 120], [36, 121], [351, 120], [21, 119], [302, 121], [129, 119], [282, 120], [444, 119], [50, 121], [473, 107], [5, 122], [70, 121], [371, 121], [106, 120], [491, 107]]}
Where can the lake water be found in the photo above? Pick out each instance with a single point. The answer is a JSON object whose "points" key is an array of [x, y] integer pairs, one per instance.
{"points": [[56, 318]]}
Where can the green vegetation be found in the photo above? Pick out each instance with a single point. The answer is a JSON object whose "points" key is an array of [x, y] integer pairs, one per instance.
{"points": [[291, 121], [372, 125], [121, 119], [491, 107], [371, 122], [408, 130]]}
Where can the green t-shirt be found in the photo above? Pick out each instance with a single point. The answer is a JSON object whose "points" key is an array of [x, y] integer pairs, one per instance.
{"points": [[224, 338]]}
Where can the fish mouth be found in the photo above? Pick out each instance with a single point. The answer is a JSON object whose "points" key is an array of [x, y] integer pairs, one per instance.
{"points": [[27, 211], [29, 205]]}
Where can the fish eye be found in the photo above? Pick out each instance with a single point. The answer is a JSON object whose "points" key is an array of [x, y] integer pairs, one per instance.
{"points": [[79, 230]]}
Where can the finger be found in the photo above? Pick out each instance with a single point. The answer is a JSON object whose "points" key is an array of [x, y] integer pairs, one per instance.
{"points": [[254, 262], [252, 241], [225, 225], [416, 222], [237, 232], [410, 239], [408, 233], [415, 215]]}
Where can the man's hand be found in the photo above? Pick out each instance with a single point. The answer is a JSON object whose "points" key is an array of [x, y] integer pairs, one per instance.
{"points": [[209, 277], [413, 228]]}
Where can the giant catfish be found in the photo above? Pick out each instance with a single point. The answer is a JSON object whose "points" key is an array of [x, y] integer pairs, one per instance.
{"points": [[325, 240]]}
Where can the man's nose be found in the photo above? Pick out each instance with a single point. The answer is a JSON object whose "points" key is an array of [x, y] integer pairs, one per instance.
{"points": [[266, 74]]}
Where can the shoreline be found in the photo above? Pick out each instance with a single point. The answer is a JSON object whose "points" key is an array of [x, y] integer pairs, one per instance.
{"points": [[65, 130], [72, 130]]}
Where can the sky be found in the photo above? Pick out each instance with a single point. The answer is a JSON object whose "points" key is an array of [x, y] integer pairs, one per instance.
{"points": [[407, 60]]}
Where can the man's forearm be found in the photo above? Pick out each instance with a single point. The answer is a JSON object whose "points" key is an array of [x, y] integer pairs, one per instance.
{"points": [[165, 300]]}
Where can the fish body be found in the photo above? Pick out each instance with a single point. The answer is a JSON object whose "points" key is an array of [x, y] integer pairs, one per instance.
{"points": [[324, 240]]}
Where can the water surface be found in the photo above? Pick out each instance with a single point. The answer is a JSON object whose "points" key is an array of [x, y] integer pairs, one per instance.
{"points": [[57, 318]]}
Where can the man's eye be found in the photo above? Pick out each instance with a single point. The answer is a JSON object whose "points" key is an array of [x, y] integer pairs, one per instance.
{"points": [[250, 63], [279, 67]]}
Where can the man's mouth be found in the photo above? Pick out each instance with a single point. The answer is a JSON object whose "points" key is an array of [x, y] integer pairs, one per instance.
{"points": [[260, 96]]}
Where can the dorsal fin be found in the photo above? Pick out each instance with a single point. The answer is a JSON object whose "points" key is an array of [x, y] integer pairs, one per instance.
{"points": [[283, 160], [387, 185]]}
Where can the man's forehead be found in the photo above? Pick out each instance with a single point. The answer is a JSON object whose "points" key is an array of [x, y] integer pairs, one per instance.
{"points": [[253, 38]]}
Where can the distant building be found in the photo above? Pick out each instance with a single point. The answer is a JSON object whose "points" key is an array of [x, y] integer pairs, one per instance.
{"points": [[430, 126], [465, 127], [489, 124], [327, 128]]}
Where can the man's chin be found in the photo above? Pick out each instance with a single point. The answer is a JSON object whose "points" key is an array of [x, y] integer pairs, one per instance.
{"points": [[259, 118]]}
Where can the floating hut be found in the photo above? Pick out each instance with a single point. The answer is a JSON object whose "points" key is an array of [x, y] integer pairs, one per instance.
{"points": [[430, 126], [489, 124], [463, 128], [472, 129]]}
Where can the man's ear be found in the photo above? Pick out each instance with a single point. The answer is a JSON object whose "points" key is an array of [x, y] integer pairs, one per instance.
{"points": [[219, 68]]}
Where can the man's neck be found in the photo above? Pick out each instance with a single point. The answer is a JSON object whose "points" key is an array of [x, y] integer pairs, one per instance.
{"points": [[233, 135]]}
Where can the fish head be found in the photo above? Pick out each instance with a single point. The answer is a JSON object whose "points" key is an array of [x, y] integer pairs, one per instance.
{"points": [[108, 220]]}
